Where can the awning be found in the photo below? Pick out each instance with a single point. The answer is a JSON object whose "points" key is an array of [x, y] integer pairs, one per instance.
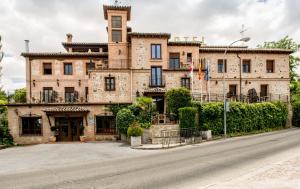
{"points": [[68, 109]]}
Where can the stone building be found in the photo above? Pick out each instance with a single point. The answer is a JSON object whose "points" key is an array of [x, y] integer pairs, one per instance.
{"points": [[74, 89]]}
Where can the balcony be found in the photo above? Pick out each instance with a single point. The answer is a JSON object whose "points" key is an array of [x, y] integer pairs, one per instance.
{"points": [[176, 65], [157, 82], [58, 97]]}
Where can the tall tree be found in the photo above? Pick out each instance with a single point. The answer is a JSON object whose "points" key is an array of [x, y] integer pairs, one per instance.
{"points": [[286, 43], [20, 95]]}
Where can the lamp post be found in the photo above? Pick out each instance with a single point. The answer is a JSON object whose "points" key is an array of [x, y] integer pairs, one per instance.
{"points": [[245, 39], [1, 57]]}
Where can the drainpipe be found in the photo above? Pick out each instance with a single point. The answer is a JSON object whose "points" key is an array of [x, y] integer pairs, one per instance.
{"points": [[240, 61]]}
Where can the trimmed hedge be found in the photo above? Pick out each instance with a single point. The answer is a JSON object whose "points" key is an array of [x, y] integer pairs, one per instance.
{"points": [[242, 117], [177, 98], [296, 114], [187, 117]]}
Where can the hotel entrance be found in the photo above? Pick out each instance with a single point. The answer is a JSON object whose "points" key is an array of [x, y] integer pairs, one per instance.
{"points": [[69, 128]]}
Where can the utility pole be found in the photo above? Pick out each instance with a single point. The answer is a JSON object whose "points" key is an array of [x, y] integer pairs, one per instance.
{"points": [[1, 57]]}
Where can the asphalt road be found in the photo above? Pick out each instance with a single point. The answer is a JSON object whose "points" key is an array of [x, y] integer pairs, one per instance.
{"points": [[190, 167]]}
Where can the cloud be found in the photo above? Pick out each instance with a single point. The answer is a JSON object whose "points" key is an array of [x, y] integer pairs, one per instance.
{"points": [[45, 23]]}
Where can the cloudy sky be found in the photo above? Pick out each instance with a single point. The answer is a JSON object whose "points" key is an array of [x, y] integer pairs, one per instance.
{"points": [[45, 23]]}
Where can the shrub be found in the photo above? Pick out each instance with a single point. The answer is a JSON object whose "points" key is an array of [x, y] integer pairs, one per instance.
{"points": [[242, 117], [296, 114], [124, 119], [134, 130], [177, 98], [115, 108], [187, 117], [5, 137]]}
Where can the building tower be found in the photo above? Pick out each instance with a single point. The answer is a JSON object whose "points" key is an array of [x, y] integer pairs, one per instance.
{"points": [[117, 18]]}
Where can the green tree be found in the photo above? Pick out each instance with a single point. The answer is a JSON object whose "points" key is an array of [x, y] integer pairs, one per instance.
{"points": [[286, 43], [20, 95], [178, 98]]}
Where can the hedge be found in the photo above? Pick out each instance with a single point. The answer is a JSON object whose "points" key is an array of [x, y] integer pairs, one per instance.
{"points": [[242, 117], [187, 117], [177, 98], [296, 114]]}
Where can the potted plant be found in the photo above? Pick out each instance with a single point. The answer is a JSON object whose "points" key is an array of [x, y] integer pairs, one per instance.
{"points": [[82, 137], [206, 133], [52, 138], [135, 132]]}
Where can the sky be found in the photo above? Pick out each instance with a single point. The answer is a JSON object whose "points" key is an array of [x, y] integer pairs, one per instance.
{"points": [[46, 22]]}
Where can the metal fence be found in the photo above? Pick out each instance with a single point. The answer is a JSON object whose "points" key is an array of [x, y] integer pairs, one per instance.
{"points": [[241, 98]]}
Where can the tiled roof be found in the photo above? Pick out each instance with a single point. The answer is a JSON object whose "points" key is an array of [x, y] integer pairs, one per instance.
{"points": [[150, 35], [66, 109], [184, 43], [83, 44], [120, 8], [246, 50], [60, 54], [222, 46]]}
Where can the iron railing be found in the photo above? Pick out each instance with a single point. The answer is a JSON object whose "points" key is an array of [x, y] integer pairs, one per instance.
{"points": [[157, 81], [213, 97]]}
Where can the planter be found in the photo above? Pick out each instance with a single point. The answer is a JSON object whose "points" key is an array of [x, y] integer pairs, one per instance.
{"points": [[52, 139], [206, 135], [82, 138], [135, 141]]}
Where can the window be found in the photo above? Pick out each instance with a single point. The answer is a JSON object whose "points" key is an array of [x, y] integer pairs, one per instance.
{"points": [[246, 66], [186, 82], [116, 21], [270, 66], [70, 94], [189, 57], [263, 90], [47, 67], [220, 65], [156, 76], [155, 51], [31, 126], [86, 94], [174, 62], [110, 84], [48, 95], [105, 125], [89, 66], [68, 69], [116, 35]]}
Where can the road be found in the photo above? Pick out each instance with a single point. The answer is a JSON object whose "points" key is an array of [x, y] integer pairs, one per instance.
{"points": [[216, 164]]}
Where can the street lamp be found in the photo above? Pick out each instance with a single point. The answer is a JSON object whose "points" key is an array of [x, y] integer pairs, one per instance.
{"points": [[245, 39]]}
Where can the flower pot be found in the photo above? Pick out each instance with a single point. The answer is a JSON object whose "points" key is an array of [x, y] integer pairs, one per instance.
{"points": [[82, 138], [135, 141], [52, 139], [206, 135]]}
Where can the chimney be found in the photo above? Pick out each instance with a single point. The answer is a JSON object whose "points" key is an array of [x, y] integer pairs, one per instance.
{"points": [[69, 38], [27, 46]]}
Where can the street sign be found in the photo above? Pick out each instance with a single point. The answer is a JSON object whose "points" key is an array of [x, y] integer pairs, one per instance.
{"points": [[227, 106]]}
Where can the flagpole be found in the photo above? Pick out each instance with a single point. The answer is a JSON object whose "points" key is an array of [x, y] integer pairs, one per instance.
{"points": [[208, 81]]}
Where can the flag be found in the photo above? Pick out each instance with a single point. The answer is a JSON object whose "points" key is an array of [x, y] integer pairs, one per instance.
{"points": [[200, 70], [207, 71]]}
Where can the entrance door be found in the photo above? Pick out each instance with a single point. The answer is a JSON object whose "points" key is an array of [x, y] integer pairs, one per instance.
{"points": [[232, 91], [69, 128], [263, 90], [159, 103]]}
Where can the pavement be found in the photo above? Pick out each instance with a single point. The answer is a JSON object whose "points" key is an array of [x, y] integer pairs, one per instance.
{"points": [[269, 160]]}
